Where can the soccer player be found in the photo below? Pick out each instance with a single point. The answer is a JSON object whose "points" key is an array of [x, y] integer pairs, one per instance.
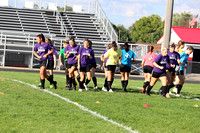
{"points": [[147, 64], [181, 45], [42, 48], [51, 61], [159, 71], [113, 55], [125, 65], [71, 53], [103, 67], [174, 58], [85, 54], [92, 65], [179, 81], [62, 53]]}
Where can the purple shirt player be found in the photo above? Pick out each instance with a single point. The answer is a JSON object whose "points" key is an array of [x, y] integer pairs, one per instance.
{"points": [[42, 49], [50, 57], [84, 58], [93, 60], [173, 57], [161, 61], [106, 58], [73, 52]]}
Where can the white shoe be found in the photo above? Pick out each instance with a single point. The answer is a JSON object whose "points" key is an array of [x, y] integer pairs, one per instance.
{"points": [[178, 95], [110, 90], [170, 92], [175, 90], [104, 89], [80, 90], [95, 87], [86, 88], [167, 95]]}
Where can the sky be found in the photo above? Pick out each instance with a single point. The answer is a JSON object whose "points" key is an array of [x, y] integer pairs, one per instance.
{"points": [[126, 12]]}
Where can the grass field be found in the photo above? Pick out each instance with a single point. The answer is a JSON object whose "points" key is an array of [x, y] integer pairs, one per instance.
{"points": [[25, 109]]}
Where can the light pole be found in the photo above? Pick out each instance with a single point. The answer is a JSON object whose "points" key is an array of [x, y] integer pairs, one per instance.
{"points": [[168, 23]]}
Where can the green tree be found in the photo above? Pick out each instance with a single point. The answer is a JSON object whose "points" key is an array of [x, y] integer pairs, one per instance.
{"points": [[147, 29], [182, 19], [67, 8], [122, 32]]}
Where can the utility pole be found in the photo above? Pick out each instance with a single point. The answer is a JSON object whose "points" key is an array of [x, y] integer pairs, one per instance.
{"points": [[168, 23]]}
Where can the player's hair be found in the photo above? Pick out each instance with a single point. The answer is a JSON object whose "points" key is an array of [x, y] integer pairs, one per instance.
{"points": [[72, 39], [181, 42], [90, 43], [164, 48], [190, 48], [49, 40], [41, 36], [66, 41], [151, 48], [172, 43], [109, 46]]}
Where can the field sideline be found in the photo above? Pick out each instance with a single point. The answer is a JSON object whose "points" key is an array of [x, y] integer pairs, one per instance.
{"points": [[25, 109]]}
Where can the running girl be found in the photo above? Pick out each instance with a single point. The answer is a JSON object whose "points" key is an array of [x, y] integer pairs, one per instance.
{"points": [[125, 65], [147, 64]]}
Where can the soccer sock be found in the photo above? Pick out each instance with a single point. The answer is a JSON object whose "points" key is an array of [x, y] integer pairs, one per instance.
{"points": [[109, 84], [164, 90], [105, 83], [122, 82], [51, 77], [74, 82], [179, 87], [171, 86], [112, 80], [87, 82], [78, 78], [42, 82], [67, 79], [149, 89], [50, 80], [70, 82], [94, 79], [126, 83], [168, 88], [147, 83]]}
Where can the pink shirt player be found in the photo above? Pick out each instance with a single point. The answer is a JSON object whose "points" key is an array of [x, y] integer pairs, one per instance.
{"points": [[149, 58]]}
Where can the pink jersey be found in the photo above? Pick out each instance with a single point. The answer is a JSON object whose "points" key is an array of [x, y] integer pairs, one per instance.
{"points": [[149, 58]]}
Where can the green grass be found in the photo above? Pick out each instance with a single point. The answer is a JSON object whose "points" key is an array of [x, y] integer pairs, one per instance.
{"points": [[25, 109]]}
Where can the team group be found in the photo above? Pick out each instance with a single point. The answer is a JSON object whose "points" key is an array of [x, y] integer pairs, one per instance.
{"points": [[80, 63]]}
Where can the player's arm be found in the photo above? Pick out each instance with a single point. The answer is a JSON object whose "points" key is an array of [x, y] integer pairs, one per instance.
{"points": [[60, 60], [79, 57], [142, 64], [55, 62], [156, 65], [35, 53], [48, 53]]}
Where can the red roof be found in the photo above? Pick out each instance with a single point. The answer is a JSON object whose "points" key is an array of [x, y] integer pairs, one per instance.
{"points": [[189, 35]]}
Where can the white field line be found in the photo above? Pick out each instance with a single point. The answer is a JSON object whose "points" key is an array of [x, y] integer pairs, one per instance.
{"points": [[170, 94], [78, 105]]}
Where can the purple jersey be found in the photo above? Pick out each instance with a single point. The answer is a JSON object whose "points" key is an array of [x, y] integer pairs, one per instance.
{"points": [[93, 60], [42, 50], [73, 52], [50, 57], [106, 58], [161, 61], [84, 58], [173, 57]]}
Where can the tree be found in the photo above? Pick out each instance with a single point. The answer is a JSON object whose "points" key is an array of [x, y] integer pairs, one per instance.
{"points": [[67, 8], [147, 29], [182, 19], [122, 32]]}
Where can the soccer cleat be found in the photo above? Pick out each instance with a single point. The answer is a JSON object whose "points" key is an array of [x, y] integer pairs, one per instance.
{"points": [[147, 94], [69, 88], [143, 89], [80, 90], [74, 88], [125, 90], [175, 90], [39, 85], [164, 96], [51, 86], [167, 95], [55, 84], [104, 89], [95, 87], [178, 95], [42, 88], [110, 90], [86, 88]]}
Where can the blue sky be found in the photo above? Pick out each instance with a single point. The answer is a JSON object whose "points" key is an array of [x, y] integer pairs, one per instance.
{"points": [[126, 12]]}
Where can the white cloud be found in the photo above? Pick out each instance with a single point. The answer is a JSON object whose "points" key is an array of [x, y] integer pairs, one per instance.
{"points": [[185, 7]]}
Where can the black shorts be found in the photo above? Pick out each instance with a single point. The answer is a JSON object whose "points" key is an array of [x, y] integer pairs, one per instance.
{"points": [[92, 65], [124, 68], [171, 70], [44, 63], [148, 69], [111, 68], [50, 64], [72, 65], [85, 69], [181, 72], [158, 75], [66, 64]]}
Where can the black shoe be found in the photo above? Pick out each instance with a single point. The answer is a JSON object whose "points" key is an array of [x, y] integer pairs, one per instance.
{"points": [[147, 94], [55, 84], [74, 88], [164, 96], [125, 90]]}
